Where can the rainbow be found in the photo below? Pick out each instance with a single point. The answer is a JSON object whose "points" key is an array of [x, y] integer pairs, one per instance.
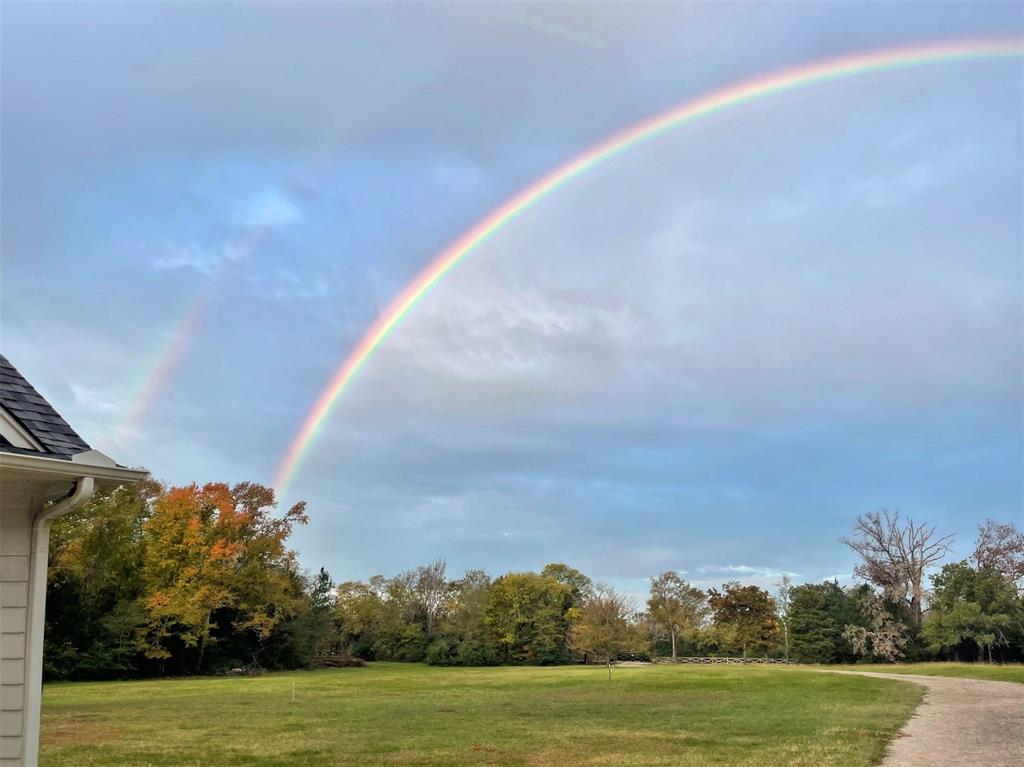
{"points": [[712, 103], [172, 351], [168, 358]]}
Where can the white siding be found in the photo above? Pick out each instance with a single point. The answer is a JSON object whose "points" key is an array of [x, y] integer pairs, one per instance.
{"points": [[18, 502]]}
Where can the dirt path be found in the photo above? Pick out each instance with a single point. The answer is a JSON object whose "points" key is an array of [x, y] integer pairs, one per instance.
{"points": [[962, 722]]}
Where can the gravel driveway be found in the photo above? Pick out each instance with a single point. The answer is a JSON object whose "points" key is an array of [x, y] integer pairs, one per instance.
{"points": [[961, 723]]}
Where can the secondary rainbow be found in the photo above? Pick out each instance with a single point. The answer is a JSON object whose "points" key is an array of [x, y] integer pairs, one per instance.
{"points": [[171, 353], [159, 373], [717, 101]]}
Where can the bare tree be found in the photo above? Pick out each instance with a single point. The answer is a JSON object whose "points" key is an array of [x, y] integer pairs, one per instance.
{"points": [[378, 586], [605, 627], [400, 591], [783, 598], [1000, 549], [896, 554], [431, 592]]}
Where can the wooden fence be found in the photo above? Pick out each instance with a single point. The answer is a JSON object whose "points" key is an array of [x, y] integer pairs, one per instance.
{"points": [[741, 661]]}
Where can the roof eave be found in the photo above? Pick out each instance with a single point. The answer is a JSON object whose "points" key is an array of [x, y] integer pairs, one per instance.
{"points": [[58, 469]]}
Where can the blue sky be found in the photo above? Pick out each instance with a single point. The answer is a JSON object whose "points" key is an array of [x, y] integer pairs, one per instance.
{"points": [[711, 354]]}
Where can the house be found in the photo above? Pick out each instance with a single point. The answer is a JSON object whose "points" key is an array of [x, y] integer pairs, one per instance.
{"points": [[46, 470]]}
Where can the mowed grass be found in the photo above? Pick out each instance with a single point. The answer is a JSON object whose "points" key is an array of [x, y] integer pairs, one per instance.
{"points": [[398, 714], [997, 673]]}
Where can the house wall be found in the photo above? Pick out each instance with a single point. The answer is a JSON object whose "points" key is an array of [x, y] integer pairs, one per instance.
{"points": [[18, 503]]}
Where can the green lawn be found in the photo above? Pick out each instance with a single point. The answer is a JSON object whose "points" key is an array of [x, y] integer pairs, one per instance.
{"points": [[1007, 673], [396, 714]]}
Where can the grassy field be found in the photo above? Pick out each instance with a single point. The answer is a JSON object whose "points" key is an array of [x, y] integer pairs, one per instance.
{"points": [[391, 714], [1007, 673]]}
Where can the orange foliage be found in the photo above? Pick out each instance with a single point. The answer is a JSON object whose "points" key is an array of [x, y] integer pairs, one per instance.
{"points": [[216, 548]]}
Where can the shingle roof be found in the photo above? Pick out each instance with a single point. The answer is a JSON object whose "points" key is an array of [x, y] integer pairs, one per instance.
{"points": [[25, 405]]}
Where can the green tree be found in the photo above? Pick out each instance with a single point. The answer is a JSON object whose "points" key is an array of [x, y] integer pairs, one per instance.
{"points": [[95, 582], [972, 606], [675, 606], [312, 631], [580, 585], [818, 614], [813, 629], [472, 639], [750, 612], [382, 619], [358, 611], [527, 613]]}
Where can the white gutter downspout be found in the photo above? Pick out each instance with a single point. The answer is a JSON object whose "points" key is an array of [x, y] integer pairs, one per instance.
{"points": [[84, 488]]}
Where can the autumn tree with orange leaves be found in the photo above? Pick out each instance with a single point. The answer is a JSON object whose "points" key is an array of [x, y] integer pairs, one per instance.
{"points": [[213, 553]]}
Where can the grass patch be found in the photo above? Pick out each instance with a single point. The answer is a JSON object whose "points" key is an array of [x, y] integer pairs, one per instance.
{"points": [[398, 714], [1003, 673]]}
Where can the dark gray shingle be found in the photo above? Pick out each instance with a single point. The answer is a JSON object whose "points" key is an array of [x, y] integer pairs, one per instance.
{"points": [[23, 403]]}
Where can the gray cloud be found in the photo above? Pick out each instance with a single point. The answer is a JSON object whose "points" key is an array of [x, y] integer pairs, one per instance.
{"points": [[718, 347]]}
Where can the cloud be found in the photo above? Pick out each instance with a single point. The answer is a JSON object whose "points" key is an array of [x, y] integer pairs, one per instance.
{"points": [[710, 576], [98, 402], [198, 258], [746, 571], [918, 170], [899, 186], [284, 285], [720, 346], [270, 209], [674, 362]]}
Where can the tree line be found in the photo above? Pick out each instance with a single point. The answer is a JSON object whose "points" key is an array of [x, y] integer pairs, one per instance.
{"points": [[152, 581]]}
